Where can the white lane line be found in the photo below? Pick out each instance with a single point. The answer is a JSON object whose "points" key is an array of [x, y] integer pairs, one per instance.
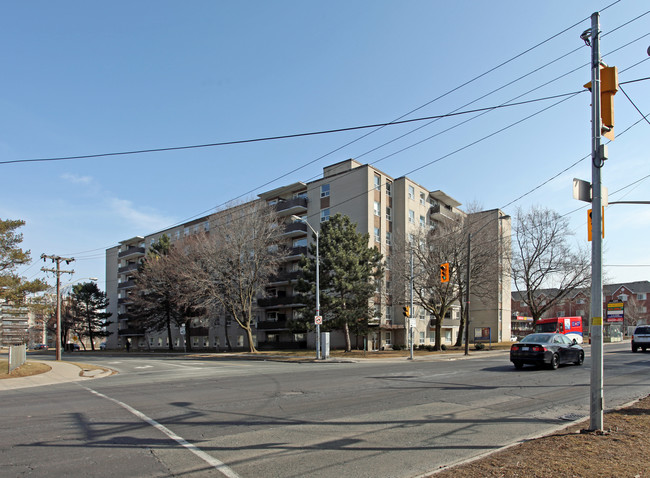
{"points": [[210, 460]]}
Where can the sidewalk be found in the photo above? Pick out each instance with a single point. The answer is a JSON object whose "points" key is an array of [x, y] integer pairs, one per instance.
{"points": [[62, 372]]}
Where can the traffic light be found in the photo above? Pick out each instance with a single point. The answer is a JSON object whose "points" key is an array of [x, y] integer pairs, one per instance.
{"points": [[406, 311], [444, 272], [608, 88], [602, 224]]}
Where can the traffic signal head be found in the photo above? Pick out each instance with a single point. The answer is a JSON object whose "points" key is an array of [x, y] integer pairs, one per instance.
{"points": [[444, 272], [406, 311], [608, 88]]}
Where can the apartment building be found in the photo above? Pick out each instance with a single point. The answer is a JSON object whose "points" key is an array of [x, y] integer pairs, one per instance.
{"points": [[389, 209]]}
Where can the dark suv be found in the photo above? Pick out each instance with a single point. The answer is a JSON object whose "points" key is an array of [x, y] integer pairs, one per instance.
{"points": [[641, 338]]}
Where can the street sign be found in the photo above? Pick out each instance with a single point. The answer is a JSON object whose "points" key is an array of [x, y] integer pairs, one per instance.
{"points": [[411, 322], [318, 320], [182, 331], [615, 311]]}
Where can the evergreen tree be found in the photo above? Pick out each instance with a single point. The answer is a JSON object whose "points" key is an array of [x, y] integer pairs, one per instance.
{"points": [[89, 305], [349, 269], [13, 287]]}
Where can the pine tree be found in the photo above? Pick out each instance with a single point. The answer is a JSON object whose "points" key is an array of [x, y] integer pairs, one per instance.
{"points": [[89, 305], [349, 269]]}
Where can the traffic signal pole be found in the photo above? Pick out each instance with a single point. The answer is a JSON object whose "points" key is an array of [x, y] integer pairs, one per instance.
{"points": [[597, 162]]}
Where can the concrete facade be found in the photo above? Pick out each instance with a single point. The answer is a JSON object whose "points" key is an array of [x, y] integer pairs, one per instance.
{"points": [[388, 209]]}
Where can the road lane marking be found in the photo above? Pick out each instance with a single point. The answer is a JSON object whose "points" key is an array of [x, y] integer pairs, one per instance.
{"points": [[210, 460]]}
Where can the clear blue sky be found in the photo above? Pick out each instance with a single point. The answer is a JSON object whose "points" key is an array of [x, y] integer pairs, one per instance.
{"points": [[96, 77]]}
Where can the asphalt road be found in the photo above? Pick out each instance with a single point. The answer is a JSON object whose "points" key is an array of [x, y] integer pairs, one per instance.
{"points": [[215, 417]]}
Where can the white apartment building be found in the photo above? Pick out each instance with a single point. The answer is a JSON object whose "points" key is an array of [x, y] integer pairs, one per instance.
{"points": [[388, 209]]}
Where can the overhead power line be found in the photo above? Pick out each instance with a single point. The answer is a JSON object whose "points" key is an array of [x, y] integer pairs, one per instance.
{"points": [[286, 136]]}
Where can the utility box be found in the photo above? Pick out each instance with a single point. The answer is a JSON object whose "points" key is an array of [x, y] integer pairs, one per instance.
{"points": [[325, 345]]}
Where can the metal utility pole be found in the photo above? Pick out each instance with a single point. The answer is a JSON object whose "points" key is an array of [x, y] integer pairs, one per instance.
{"points": [[58, 272], [411, 305], [596, 393], [469, 252]]}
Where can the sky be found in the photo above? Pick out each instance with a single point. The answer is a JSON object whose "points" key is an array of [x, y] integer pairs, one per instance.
{"points": [[86, 78]]}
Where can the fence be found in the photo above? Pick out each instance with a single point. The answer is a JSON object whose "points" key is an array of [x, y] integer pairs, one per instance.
{"points": [[17, 356]]}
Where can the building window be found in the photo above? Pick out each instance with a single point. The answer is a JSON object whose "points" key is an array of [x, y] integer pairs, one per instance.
{"points": [[325, 215], [377, 234], [206, 226], [186, 231], [302, 242], [389, 315], [423, 315], [389, 188], [178, 235], [389, 338], [377, 183], [423, 221], [643, 309], [432, 336], [411, 238], [411, 192], [411, 216], [324, 190], [389, 238], [377, 208], [622, 297], [423, 199], [641, 296], [422, 336]]}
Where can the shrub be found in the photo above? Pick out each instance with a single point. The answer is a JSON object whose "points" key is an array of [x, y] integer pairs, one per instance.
{"points": [[430, 348], [479, 346], [397, 347], [443, 347]]}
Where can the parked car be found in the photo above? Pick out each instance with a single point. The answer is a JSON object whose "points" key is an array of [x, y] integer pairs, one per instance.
{"points": [[641, 338], [102, 346], [547, 349], [40, 347]]}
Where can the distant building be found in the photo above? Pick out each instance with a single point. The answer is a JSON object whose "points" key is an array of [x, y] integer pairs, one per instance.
{"points": [[635, 297], [388, 209]]}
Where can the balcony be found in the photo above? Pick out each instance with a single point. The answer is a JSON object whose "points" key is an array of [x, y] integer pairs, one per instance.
{"points": [[440, 212], [291, 301], [199, 331], [296, 252], [284, 277], [292, 206], [128, 268], [295, 229], [126, 285], [131, 251], [270, 325]]}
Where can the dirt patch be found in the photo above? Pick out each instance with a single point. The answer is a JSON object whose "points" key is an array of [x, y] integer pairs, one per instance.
{"points": [[87, 370], [622, 450], [25, 370]]}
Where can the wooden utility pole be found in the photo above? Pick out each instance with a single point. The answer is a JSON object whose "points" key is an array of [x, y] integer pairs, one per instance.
{"points": [[58, 272]]}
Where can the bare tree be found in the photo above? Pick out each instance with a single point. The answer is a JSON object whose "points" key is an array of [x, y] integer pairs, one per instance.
{"points": [[543, 259], [430, 249], [232, 264], [161, 298]]}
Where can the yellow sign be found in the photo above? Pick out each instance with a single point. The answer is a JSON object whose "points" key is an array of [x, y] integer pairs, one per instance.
{"points": [[596, 321]]}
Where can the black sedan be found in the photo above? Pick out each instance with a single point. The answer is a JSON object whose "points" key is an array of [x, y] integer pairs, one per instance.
{"points": [[546, 349]]}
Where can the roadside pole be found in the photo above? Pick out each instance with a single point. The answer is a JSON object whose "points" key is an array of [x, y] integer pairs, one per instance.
{"points": [[596, 394], [411, 305]]}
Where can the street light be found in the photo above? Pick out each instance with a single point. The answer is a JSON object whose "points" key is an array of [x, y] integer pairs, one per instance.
{"points": [[318, 317]]}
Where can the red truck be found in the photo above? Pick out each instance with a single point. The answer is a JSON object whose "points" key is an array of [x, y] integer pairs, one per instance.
{"points": [[569, 326]]}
